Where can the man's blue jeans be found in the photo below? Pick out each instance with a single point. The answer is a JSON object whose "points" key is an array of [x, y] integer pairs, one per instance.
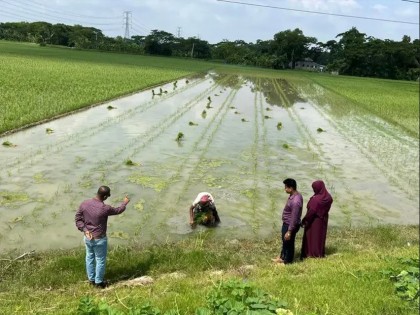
{"points": [[96, 251]]}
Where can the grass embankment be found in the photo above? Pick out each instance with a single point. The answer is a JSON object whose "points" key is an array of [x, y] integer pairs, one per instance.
{"points": [[38, 83], [351, 280]]}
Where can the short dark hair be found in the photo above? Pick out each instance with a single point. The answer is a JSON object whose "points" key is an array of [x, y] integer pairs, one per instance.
{"points": [[104, 191], [290, 182]]}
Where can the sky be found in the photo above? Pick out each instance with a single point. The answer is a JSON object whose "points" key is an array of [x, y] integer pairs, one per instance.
{"points": [[216, 20]]}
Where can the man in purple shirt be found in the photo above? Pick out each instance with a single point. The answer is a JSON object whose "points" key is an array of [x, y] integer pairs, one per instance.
{"points": [[92, 219], [291, 222]]}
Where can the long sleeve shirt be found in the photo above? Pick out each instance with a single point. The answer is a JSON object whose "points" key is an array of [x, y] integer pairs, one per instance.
{"points": [[293, 211], [93, 216]]}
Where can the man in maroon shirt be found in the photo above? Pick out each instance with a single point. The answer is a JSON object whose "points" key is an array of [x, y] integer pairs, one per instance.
{"points": [[92, 219], [292, 213]]}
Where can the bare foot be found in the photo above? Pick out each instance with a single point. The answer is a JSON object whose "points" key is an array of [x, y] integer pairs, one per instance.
{"points": [[277, 260]]}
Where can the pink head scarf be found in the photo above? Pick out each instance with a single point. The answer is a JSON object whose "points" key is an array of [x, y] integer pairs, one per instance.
{"points": [[321, 201]]}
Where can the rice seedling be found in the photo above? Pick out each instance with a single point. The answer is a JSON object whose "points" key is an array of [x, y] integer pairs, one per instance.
{"points": [[39, 178], [320, 130], [119, 234], [16, 220], [208, 106], [267, 117], [139, 206], [232, 107], [209, 99], [179, 137], [237, 113], [110, 107], [49, 130], [285, 146], [9, 144], [244, 120], [268, 109], [204, 114], [129, 162], [279, 125], [186, 81], [10, 198], [191, 123]]}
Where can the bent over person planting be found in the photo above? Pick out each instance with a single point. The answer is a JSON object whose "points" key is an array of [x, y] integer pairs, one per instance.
{"points": [[92, 220], [203, 210]]}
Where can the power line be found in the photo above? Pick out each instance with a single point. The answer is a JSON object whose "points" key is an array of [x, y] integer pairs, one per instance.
{"points": [[43, 7], [411, 1], [139, 26], [318, 12], [34, 12]]}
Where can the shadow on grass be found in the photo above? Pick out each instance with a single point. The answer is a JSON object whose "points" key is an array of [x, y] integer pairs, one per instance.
{"points": [[330, 250], [136, 268]]}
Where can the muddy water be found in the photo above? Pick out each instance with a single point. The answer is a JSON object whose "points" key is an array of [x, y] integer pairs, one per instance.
{"points": [[235, 151]]}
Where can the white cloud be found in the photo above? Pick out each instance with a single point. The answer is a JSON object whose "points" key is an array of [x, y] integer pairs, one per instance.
{"points": [[379, 7]]}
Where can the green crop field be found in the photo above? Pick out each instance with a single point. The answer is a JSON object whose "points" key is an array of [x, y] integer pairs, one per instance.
{"points": [[40, 83]]}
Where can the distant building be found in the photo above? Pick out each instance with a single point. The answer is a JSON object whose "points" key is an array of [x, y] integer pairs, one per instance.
{"points": [[308, 64]]}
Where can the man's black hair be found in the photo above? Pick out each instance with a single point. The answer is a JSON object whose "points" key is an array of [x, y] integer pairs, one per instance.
{"points": [[290, 182], [104, 191]]}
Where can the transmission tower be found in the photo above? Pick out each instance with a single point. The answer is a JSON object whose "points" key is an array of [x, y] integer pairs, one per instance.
{"points": [[127, 23], [178, 31]]}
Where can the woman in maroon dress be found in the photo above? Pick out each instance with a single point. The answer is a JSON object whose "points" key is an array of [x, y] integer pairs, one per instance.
{"points": [[315, 222]]}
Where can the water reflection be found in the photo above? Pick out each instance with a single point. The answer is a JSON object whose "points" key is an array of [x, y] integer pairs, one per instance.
{"points": [[227, 81], [277, 92]]}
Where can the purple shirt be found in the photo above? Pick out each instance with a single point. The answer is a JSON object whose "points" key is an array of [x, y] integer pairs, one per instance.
{"points": [[293, 211], [93, 216]]}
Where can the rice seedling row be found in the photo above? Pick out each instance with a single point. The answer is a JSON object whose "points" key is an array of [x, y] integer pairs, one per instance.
{"points": [[153, 205], [272, 214], [394, 101], [89, 173], [201, 145], [323, 164], [59, 145], [354, 134]]}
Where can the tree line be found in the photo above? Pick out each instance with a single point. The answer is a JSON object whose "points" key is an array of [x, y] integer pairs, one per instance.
{"points": [[350, 53]]}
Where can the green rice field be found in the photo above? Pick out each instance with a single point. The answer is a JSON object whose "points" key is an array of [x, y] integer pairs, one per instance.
{"points": [[245, 130]]}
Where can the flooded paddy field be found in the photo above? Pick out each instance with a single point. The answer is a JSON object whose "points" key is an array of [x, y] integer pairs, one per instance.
{"points": [[242, 137]]}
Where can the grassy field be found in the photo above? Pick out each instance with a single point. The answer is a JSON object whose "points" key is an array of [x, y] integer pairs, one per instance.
{"points": [[40, 83], [353, 279]]}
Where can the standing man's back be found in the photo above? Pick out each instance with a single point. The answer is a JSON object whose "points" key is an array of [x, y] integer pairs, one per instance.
{"points": [[92, 220]]}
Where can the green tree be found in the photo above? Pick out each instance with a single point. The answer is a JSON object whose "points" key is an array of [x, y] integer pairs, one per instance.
{"points": [[159, 43], [291, 46]]}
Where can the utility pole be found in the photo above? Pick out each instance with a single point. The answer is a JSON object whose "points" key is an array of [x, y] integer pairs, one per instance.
{"points": [[178, 31], [127, 22], [192, 51]]}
